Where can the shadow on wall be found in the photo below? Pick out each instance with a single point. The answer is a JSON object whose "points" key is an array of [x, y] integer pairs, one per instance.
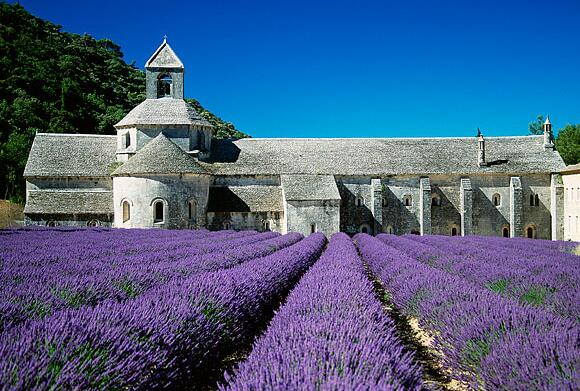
{"points": [[444, 214], [399, 216], [355, 212], [224, 151], [487, 217]]}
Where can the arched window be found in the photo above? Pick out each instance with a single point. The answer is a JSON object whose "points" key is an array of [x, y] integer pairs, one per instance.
{"points": [[537, 200], [51, 223], [164, 85], [192, 210], [531, 231], [93, 223], [390, 230], [496, 199], [359, 201], [385, 201], [158, 211], [126, 211], [531, 200], [126, 140], [227, 225], [435, 200], [407, 200], [267, 225], [365, 229], [505, 232], [312, 228], [454, 231]]}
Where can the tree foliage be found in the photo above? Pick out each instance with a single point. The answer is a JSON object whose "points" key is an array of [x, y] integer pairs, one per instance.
{"points": [[537, 126], [568, 143], [54, 81]]}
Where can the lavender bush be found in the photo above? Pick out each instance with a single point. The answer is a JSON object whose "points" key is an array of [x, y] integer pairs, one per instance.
{"points": [[168, 337], [487, 340], [332, 333]]}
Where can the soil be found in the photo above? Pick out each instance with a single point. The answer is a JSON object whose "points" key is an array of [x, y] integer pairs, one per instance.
{"points": [[10, 214]]}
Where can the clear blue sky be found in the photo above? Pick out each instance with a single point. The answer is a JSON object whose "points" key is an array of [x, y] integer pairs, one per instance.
{"points": [[356, 68]]}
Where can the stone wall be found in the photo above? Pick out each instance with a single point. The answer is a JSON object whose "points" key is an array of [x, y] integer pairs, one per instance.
{"points": [[354, 217], [402, 219], [70, 183], [246, 221], [78, 220], [300, 215], [176, 191], [571, 212]]}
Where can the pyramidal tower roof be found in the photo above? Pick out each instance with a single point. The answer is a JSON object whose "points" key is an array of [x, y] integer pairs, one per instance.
{"points": [[160, 156], [164, 57]]}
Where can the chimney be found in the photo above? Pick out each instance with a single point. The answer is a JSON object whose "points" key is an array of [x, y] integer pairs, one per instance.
{"points": [[480, 149], [548, 136]]}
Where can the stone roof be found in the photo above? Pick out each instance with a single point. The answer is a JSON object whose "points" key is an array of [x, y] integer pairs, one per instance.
{"points": [[160, 156], [382, 156], [309, 187], [572, 169], [69, 202], [162, 111], [164, 57], [54, 154], [245, 199]]}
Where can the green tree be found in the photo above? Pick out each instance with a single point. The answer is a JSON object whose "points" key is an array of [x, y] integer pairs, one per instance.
{"points": [[568, 143], [537, 126]]}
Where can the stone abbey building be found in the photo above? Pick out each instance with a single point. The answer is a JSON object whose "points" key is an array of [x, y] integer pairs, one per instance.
{"points": [[163, 169]]}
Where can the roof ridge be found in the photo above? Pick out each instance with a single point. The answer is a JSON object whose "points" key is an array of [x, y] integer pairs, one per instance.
{"points": [[74, 134], [380, 138]]}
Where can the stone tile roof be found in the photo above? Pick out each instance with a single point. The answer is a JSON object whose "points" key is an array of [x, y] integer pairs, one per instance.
{"points": [[162, 111], [54, 154], [160, 156], [245, 199], [572, 169], [69, 202], [309, 187], [382, 156]]}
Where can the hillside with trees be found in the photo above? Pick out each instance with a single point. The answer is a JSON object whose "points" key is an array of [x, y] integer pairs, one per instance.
{"points": [[55, 81]]}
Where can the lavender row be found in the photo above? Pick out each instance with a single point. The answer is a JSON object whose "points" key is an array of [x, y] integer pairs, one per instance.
{"points": [[21, 302], [542, 282], [169, 337], [555, 246], [488, 341], [332, 333]]}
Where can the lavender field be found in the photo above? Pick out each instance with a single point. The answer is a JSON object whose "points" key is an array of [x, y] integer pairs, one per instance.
{"points": [[157, 309]]}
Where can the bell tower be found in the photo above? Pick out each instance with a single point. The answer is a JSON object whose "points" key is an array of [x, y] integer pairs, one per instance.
{"points": [[164, 74]]}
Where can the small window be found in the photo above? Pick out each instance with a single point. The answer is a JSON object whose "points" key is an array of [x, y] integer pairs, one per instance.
{"points": [[158, 212], [93, 223], [537, 200], [407, 200], [454, 231], [267, 225], [359, 201], [126, 211], [435, 200], [312, 228], [191, 210], [385, 202], [496, 199], [51, 223], [365, 229], [227, 225], [164, 85], [531, 200], [531, 231], [506, 232], [127, 140], [390, 230]]}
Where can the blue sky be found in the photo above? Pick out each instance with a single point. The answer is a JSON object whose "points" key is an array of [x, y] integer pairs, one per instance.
{"points": [[356, 68]]}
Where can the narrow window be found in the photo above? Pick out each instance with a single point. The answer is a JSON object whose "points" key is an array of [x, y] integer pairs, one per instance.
{"points": [[435, 200], [537, 200], [158, 212], [126, 211], [359, 201], [93, 223], [454, 231], [267, 226], [365, 229], [385, 202], [312, 228], [390, 230], [51, 224], [407, 200], [496, 199], [191, 210], [227, 225], [531, 200], [530, 232], [164, 85], [506, 232], [127, 140]]}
